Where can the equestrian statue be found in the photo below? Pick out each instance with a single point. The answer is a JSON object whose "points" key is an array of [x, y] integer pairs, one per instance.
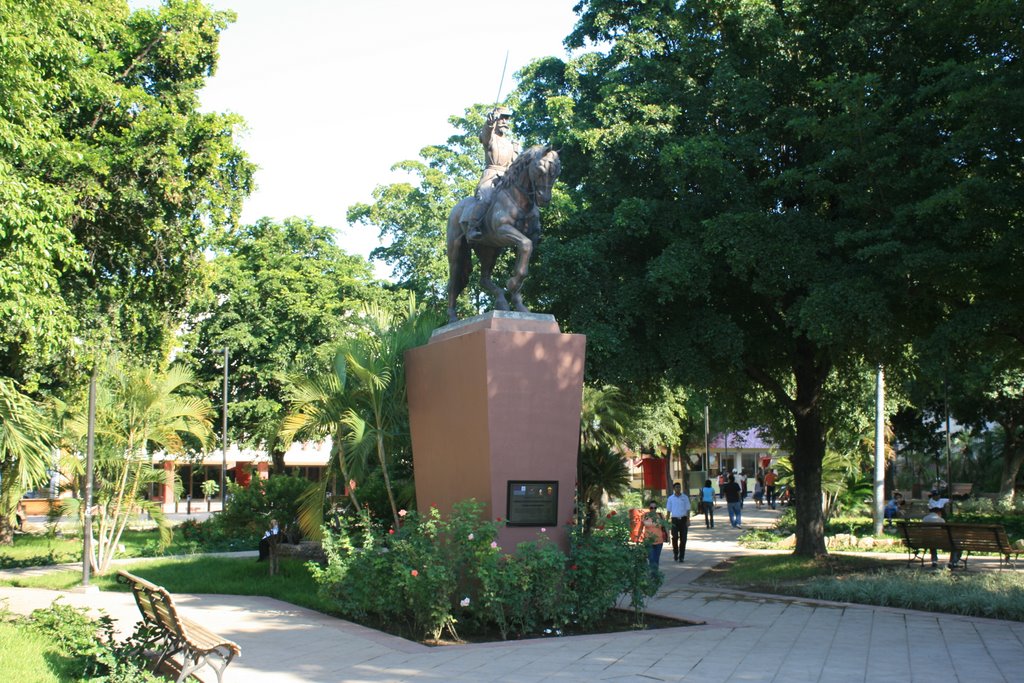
{"points": [[504, 212]]}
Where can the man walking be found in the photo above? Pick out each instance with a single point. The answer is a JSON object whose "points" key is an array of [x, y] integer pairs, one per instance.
{"points": [[733, 494], [769, 487], [678, 506]]}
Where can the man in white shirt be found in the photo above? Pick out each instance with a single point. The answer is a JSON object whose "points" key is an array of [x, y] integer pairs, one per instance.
{"points": [[678, 506]]}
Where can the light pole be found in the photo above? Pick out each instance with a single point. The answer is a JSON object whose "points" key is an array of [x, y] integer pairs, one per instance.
{"points": [[90, 448], [879, 448], [224, 436], [707, 441]]}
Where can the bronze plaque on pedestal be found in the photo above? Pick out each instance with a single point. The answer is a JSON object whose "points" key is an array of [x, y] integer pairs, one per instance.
{"points": [[532, 503]]}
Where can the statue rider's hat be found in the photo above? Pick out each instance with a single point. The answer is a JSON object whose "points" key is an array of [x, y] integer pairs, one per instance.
{"points": [[502, 112]]}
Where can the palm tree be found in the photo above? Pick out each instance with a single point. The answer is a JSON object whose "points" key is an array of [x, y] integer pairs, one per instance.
{"points": [[318, 409], [603, 416], [25, 438], [602, 469], [137, 409], [362, 404]]}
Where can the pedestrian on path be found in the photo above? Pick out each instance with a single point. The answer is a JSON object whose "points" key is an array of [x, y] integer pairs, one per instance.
{"points": [[655, 532], [707, 504], [679, 507], [769, 487], [733, 496]]}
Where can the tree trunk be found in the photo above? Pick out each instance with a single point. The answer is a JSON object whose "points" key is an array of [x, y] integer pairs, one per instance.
{"points": [[1013, 458], [277, 459], [810, 517], [6, 531], [810, 373], [593, 512]]}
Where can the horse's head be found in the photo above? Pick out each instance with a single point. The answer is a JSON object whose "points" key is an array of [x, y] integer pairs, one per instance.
{"points": [[543, 172]]}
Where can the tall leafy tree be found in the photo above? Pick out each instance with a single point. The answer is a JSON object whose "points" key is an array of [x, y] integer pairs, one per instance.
{"points": [[979, 380], [412, 215], [110, 176], [766, 193], [281, 294]]}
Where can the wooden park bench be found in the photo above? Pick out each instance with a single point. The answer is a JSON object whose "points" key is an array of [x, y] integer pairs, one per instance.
{"points": [[920, 538], [175, 634]]}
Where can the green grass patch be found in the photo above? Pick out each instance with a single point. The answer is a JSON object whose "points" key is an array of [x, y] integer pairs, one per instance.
{"points": [[999, 595], [768, 570], [877, 581], [30, 550], [34, 550], [200, 574], [28, 655]]}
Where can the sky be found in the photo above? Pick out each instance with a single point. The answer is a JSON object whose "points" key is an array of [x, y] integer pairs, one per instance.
{"points": [[334, 92]]}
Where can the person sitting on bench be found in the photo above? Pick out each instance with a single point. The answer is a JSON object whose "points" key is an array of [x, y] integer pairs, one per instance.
{"points": [[272, 535], [936, 515]]}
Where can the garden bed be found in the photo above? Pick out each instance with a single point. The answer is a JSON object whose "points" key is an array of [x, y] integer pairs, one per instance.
{"points": [[617, 621]]}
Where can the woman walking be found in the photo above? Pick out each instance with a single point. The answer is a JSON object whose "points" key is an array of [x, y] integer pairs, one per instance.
{"points": [[707, 504], [655, 531]]}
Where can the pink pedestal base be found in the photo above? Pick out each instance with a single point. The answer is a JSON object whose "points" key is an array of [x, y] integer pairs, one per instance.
{"points": [[494, 399]]}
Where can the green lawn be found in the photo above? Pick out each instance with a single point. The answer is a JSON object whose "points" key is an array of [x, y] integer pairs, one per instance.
{"points": [[199, 575], [45, 549], [28, 655], [878, 581]]}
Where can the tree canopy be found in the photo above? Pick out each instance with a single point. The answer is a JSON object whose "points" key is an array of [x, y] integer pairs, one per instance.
{"points": [[282, 295], [110, 176], [770, 197]]}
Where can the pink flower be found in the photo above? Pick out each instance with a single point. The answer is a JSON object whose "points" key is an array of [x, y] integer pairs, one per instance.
{"points": [[573, 567], [391, 531], [494, 544], [464, 602], [543, 530], [498, 520], [471, 537], [414, 572], [402, 513]]}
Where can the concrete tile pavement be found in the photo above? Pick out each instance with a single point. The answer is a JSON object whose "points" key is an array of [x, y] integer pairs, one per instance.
{"points": [[744, 637]]}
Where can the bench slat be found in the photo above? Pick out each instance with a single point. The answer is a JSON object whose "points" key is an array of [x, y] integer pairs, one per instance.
{"points": [[195, 642]]}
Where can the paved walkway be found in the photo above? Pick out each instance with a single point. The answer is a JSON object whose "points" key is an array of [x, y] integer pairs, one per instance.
{"points": [[744, 638]]}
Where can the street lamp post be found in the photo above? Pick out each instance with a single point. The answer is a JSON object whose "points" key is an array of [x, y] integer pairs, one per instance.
{"points": [[90, 448], [879, 448], [224, 435]]}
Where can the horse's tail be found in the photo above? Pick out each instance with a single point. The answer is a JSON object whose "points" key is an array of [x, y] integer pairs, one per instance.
{"points": [[465, 265]]}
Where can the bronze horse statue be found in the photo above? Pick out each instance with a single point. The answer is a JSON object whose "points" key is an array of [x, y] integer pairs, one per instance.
{"points": [[512, 220]]}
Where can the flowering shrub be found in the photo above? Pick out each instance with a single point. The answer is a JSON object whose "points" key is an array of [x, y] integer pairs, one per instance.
{"points": [[522, 593], [433, 575], [605, 568]]}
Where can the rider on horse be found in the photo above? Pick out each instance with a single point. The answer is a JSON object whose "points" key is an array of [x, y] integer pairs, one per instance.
{"points": [[499, 151]]}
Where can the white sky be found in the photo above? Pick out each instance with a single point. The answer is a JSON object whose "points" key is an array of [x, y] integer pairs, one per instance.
{"points": [[336, 91]]}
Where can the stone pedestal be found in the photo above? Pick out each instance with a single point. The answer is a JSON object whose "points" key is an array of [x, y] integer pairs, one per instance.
{"points": [[493, 399]]}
